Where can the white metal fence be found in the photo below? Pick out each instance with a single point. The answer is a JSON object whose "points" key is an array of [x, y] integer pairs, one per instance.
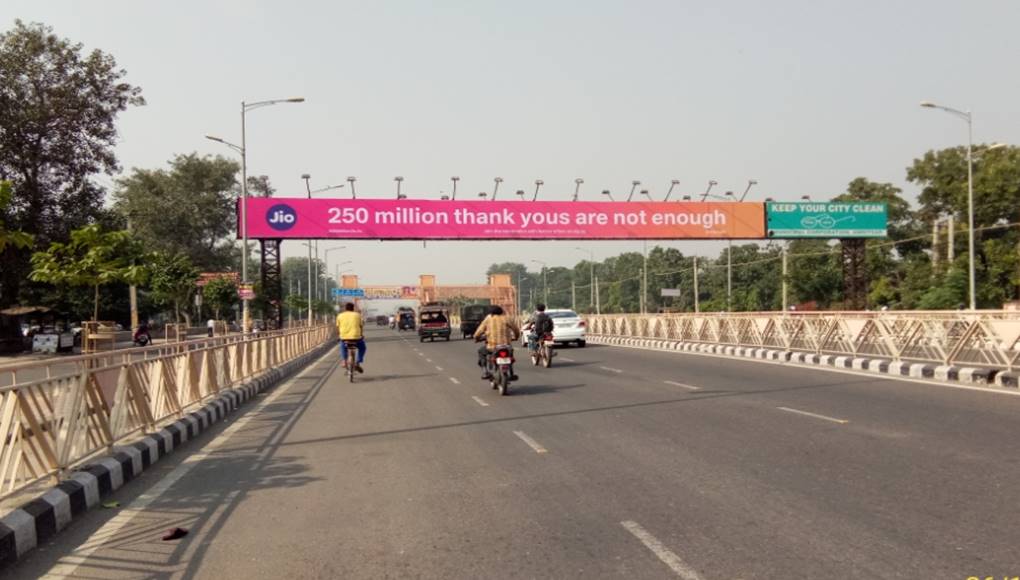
{"points": [[984, 338], [56, 413]]}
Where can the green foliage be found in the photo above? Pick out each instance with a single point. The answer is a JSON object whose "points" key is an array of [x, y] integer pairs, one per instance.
{"points": [[58, 105], [92, 258], [220, 294], [195, 195], [15, 238], [295, 303], [172, 282]]}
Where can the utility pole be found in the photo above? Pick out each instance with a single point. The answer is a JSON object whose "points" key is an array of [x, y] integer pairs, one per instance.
{"points": [[573, 296], [729, 275], [697, 304], [644, 281], [133, 295], [785, 271]]}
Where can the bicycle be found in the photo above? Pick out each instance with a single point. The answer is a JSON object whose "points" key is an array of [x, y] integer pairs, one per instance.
{"points": [[352, 358]]}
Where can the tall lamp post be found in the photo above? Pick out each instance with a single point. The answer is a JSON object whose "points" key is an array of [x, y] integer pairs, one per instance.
{"points": [[313, 289], [454, 179], [711, 183], [399, 180], [545, 287], [243, 150], [591, 273], [633, 186], [495, 189], [577, 188], [673, 183], [538, 183], [325, 266], [966, 116]]}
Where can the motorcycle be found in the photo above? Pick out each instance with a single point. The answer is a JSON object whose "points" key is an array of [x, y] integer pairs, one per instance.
{"points": [[501, 368], [542, 351], [141, 336]]}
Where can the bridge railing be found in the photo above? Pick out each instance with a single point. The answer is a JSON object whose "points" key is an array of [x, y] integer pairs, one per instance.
{"points": [[58, 413], [984, 338]]}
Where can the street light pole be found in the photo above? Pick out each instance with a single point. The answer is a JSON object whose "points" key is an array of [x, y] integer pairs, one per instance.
{"points": [[633, 186], [673, 183], [495, 189], [968, 117], [711, 183], [545, 286], [577, 188], [454, 179], [591, 274], [243, 150], [311, 296], [538, 183]]}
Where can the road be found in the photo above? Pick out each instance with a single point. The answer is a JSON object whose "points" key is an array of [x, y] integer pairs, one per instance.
{"points": [[616, 463]]}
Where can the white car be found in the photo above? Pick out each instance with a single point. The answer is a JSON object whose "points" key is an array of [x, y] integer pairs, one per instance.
{"points": [[567, 328]]}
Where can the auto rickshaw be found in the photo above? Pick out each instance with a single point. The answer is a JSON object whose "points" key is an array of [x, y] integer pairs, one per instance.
{"points": [[405, 320], [471, 316], [433, 322]]}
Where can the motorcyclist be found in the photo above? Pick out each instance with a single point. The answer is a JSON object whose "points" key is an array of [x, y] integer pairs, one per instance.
{"points": [[141, 336], [540, 324], [497, 329], [350, 326]]}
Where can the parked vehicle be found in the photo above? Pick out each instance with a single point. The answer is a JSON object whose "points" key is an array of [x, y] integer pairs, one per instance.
{"points": [[470, 317], [433, 322]]}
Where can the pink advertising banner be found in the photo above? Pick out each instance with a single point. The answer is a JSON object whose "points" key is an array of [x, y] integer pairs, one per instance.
{"points": [[501, 220]]}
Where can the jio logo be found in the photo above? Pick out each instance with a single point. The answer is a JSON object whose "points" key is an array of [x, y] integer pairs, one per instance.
{"points": [[281, 217]]}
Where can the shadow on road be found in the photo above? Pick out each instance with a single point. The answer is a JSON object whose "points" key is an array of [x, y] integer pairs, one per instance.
{"points": [[525, 390], [693, 398], [202, 501]]}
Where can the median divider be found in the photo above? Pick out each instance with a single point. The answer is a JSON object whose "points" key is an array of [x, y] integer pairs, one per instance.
{"points": [[921, 370], [87, 485]]}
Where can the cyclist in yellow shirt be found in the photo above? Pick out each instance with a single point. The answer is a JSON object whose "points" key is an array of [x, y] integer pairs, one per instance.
{"points": [[350, 326]]}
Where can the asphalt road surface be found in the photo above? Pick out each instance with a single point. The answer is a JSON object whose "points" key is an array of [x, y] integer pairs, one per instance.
{"points": [[615, 463]]}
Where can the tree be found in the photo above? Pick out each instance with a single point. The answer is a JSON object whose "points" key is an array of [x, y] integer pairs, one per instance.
{"points": [[188, 209], [92, 258], [57, 111], [173, 282], [14, 238], [220, 294], [942, 176], [295, 303]]}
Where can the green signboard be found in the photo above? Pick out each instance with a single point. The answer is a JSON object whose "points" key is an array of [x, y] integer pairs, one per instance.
{"points": [[811, 219]]}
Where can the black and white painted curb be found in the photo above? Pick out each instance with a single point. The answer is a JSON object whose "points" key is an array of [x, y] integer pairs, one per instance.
{"points": [[37, 521], [947, 373]]}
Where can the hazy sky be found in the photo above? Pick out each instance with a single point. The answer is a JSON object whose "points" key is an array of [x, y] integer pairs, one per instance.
{"points": [[802, 96]]}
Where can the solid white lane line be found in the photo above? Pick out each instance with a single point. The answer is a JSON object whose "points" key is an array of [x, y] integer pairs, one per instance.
{"points": [[480, 402], [665, 554], [682, 386], [611, 369], [565, 359], [69, 564], [454, 381], [531, 442], [815, 415], [440, 369], [428, 360]]}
